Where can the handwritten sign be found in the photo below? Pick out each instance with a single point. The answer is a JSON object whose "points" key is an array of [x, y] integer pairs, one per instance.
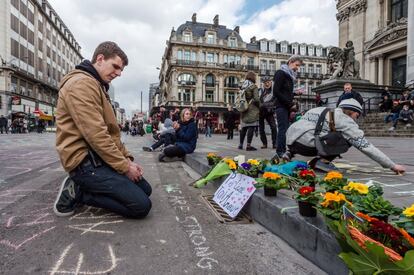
{"points": [[234, 192]]}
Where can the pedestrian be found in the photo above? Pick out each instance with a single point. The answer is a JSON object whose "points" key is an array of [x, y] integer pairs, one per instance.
{"points": [[197, 116], [102, 171], [250, 117], [186, 138], [3, 124], [208, 123], [301, 135], [165, 137], [163, 114], [230, 120], [267, 106], [349, 93], [386, 104], [283, 84]]}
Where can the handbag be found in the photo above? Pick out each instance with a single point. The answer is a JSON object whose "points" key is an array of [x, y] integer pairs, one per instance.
{"points": [[241, 103], [333, 143]]}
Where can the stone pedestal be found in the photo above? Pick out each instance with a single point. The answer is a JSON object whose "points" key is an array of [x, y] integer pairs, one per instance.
{"points": [[371, 93]]}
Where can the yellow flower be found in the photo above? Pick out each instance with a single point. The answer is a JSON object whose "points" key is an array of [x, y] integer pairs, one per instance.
{"points": [[333, 175], [409, 212], [232, 165], [253, 161], [270, 175], [210, 155], [357, 186], [333, 197]]}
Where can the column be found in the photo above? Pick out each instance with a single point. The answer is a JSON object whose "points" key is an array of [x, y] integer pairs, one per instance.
{"points": [[199, 87], [381, 70], [410, 44], [221, 89], [372, 69]]}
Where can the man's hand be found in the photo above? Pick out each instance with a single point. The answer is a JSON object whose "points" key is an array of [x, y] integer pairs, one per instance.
{"points": [[133, 173], [139, 169], [398, 169], [176, 125]]}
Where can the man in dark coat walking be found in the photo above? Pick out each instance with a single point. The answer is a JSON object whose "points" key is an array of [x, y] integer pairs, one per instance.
{"points": [[230, 117], [267, 112], [3, 124]]}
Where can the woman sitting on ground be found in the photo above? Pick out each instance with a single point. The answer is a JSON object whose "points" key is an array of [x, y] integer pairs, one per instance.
{"points": [[186, 137]]}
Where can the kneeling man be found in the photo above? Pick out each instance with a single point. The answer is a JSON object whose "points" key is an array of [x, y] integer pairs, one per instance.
{"points": [[101, 170], [301, 135]]}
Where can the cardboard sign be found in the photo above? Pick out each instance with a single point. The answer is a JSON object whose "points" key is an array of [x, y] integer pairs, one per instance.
{"points": [[234, 192]]}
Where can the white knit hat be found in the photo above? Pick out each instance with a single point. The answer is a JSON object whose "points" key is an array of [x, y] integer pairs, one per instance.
{"points": [[351, 104]]}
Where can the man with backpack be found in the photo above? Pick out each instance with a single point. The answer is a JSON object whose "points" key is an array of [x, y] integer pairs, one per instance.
{"points": [[337, 131]]}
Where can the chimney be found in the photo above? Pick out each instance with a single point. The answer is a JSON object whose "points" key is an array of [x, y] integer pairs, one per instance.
{"points": [[194, 18], [237, 29], [216, 20], [253, 39]]}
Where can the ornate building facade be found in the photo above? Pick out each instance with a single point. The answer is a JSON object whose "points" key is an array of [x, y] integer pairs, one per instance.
{"points": [[378, 29], [203, 65], [36, 50]]}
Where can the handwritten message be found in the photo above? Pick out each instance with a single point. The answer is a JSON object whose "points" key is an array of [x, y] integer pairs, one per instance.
{"points": [[234, 192]]}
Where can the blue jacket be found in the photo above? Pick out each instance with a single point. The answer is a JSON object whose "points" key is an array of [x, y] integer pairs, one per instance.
{"points": [[187, 136]]}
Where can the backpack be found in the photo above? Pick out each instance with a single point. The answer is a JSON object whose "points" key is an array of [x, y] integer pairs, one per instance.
{"points": [[241, 103], [333, 143]]}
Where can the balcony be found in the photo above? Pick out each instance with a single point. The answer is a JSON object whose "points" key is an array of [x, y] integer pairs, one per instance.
{"points": [[231, 66], [264, 72], [231, 85], [186, 62]]}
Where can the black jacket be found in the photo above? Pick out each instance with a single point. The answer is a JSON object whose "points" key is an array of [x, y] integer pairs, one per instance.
{"points": [[230, 117], [355, 95], [283, 90]]}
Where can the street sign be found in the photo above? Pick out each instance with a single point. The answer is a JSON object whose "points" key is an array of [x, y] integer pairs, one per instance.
{"points": [[234, 193]]}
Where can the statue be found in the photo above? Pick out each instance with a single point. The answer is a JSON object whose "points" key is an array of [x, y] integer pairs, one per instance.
{"points": [[342, 63]]}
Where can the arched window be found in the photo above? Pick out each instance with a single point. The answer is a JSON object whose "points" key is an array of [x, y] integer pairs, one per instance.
{"points": [[186, 79], [232, 82], [210, 80]]}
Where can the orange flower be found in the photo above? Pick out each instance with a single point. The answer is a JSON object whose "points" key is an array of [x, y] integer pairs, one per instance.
{"points": [[272, 176], [366, 217], [407, 236], [210, 155], [333, 175], [333, 197]]}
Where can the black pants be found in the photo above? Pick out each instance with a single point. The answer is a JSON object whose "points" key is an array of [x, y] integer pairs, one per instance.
{"points": [[298, 148], [282, 116], [5, 129], [269, 117], [174, 151], [166, 139], [230, 132], [250, 131], [401, 120]]}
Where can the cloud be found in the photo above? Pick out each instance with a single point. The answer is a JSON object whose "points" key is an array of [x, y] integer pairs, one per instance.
{"points": [[141, 28]]}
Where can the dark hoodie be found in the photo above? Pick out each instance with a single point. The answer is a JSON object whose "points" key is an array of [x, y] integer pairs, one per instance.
{"points": [[187, 136], [87, 66]]}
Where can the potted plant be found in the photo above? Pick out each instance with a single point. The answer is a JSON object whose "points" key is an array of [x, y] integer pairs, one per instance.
{"points": [[250, 168], [406, 220], [375, 206], [307, 199], [271, 183], [213, 159], [331, 205], [307, 177], [333, 181]]}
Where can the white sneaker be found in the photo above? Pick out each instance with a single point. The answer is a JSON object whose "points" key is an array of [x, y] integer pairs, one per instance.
{"points": [[391, 129], [408, 125]]}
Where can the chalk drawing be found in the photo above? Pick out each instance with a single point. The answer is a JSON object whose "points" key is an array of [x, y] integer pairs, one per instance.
{"points": [[92, 213], [78, 268], [39, 220], [8, 243], [89, 227]]}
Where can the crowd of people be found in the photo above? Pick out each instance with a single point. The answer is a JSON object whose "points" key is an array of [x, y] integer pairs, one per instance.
{"points": [[21, 125], [399, 111]]}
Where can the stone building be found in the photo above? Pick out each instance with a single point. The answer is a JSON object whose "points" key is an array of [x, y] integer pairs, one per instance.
{"points": [[203, 65], [378, 29], [36, 50]]}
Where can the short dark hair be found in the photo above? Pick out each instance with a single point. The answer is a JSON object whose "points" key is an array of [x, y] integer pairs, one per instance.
{"points": [[109, 49], [251, 76]]}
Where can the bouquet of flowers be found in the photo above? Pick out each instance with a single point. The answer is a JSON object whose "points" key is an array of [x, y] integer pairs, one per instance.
{"points": [[221, 169]]}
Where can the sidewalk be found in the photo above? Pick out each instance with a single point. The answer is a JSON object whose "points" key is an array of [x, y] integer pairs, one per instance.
{"points": [[355, 165]]}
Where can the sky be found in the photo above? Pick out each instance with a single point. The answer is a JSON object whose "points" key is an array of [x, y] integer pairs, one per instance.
{"points": [[141, 28]]}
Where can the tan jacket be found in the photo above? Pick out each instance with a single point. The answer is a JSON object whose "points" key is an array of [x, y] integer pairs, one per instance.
{"points": [[84, 115]]}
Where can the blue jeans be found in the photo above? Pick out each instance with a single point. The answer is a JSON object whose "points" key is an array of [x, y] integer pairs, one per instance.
{"points": [[208, 131], [282, 116], [103, 187], [392, 116]]}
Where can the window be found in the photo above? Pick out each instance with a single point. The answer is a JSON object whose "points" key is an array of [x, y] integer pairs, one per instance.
{"points": [[29, 89], [284, 48], [23, 87], [318, 69], [210, 57], [23, 30], [30, 36], [39, 64], [272, 46], [23, 55], [302, 69], [272, 66], [231, 97], [232, 42], [186, 79], [318, 51], [40, 44], [14, 48], [30, 56], [399, 71], [303, 50], [263, 45], [23, 9], [310, 50], [15, 3], [30, 16], [232, 82], [210, 81], [263, 65], [186, 37], [399, 9], [250, 63], [14, 22], [209, 96], [211, 39], [310, 68]]}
